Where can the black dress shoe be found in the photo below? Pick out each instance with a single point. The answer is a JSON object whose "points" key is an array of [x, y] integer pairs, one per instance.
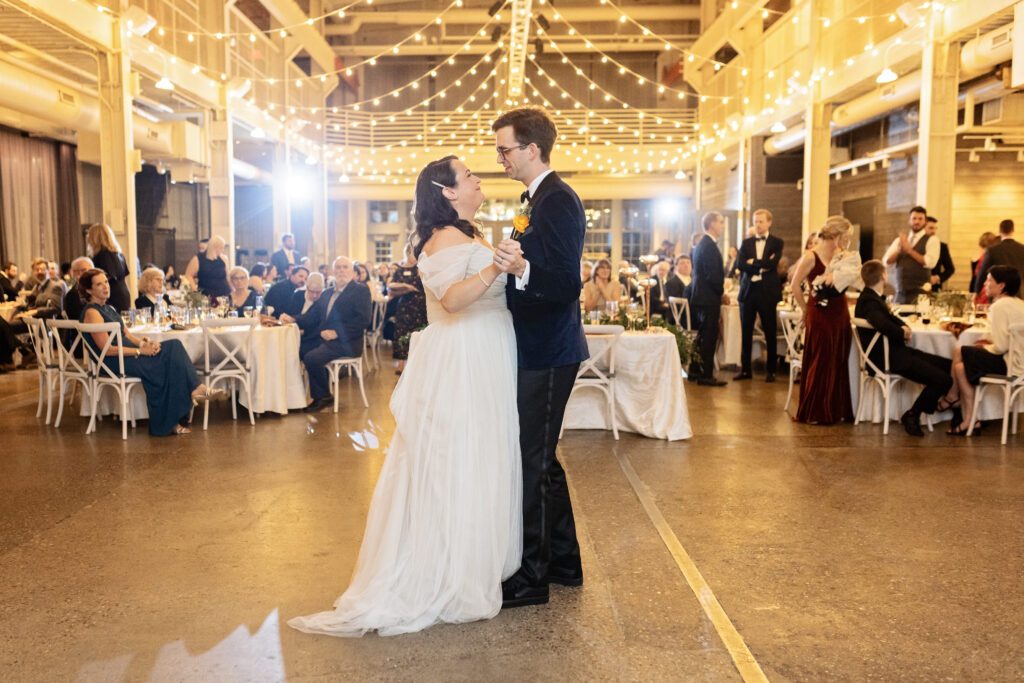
{"points": [[317, 405], [710, 382], [563, 577], [742, 376], [770, 378], [515, 594], [912, 424]]}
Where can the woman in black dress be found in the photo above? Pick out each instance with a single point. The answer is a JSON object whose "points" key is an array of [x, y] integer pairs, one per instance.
{"points": [[242, 295], [151, 289], [106, 255], [411, 306], [208, 270]]}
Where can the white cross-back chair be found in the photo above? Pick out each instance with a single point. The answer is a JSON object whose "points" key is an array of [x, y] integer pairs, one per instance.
{"points": [[372, 336], [1011, 383], [353, 365], [598, 371], [870, 375], [793, 332], [72, 361], [229, 341], [46, 360], [103, 376], [679, 308]]}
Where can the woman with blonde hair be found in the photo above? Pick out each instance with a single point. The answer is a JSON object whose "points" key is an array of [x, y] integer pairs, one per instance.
{"points": [[825, 381], [242, 295], [151, 289], [601, 288], [208, 271], [102, 246]]}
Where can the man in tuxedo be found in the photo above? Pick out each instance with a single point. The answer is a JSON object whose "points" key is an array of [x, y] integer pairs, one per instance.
{"points": [[707, 297], [544, 300], [924, 368], [659, 299], [912, 256], [758, 262], [285, 257], [280, 294], [679, 283], [944, 269], [1009, 252], [339, 320]]}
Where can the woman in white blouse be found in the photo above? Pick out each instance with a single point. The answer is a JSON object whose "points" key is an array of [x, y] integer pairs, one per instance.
{"points": [[987, 356]]}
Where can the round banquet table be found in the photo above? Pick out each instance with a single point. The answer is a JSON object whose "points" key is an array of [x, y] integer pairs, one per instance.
{"points": [[277, 372], [649, 395]]}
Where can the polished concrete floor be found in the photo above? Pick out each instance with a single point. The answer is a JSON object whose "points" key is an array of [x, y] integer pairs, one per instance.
{"points": [[834, 553]]}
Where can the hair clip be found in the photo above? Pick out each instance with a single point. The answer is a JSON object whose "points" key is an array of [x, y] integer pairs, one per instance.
{"points": [[438, 184]]}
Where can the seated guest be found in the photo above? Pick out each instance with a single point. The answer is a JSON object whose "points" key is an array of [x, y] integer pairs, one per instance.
{"points": [[168, 377], [924, 368], [281, 292], [9, 282], [304, 299], [601, 288], [242, 295], [987, 356], [586, 271], [45, 299], [680, 282], [659, 299], [259, 276], [151, 289], [7, 346], [73, 303], [627, 281], [363, 275], [171, 279], [340, 320]]}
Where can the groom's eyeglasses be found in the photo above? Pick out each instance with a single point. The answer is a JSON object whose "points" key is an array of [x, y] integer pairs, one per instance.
{"points": [[503, 151]]}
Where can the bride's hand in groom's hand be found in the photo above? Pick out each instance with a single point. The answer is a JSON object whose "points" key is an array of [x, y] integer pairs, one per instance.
{"points": [[508, 256]]}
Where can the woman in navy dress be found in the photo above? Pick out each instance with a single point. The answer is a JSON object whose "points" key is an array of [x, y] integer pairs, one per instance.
{"points": [[170, 380]]}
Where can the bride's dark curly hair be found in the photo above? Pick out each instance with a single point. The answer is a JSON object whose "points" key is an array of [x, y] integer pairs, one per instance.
{"points": [[432, 208]]}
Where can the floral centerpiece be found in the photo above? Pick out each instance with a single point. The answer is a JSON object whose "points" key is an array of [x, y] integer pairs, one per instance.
{"points": [[956, 303], [689, 354]]}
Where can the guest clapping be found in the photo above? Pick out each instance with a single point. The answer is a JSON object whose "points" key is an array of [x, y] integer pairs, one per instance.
{"points": [[601, 288]]}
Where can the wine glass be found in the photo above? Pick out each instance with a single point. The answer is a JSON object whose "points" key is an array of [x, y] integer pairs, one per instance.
{"points": [[632, 314]]}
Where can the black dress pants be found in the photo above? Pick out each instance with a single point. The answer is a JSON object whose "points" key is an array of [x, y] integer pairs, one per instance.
{"points": [[549, 529], [707, 337], [924, 368], [758, 304]]}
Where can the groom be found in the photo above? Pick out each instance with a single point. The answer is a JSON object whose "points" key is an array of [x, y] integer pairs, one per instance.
{"points": [[544, 300]]}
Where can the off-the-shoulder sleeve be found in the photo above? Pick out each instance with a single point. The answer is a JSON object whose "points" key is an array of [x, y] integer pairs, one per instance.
{"points": [[444, 268]]}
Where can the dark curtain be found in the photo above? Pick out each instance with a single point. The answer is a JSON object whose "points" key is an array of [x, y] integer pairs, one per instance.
{"points": [[70, 240]]}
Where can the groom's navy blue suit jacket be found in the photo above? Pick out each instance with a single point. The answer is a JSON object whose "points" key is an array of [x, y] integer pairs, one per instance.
{"points": [[546, 315]]}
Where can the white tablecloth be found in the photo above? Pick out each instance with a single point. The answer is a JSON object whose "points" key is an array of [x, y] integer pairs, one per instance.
{"points": [[731, 344], [931, 339], [649, 393], [277, 374]]}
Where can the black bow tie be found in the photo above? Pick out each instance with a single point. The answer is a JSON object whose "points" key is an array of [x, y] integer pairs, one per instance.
{"points": [[525, 197], [761, 239]]}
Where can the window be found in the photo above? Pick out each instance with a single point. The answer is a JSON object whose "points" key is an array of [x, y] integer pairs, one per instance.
{"points": [[382, 251], [597, 243], [383, 212], [636, 229]]}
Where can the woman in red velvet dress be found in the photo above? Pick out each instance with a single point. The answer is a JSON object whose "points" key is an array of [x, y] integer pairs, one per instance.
{"points": [[825, 378]]}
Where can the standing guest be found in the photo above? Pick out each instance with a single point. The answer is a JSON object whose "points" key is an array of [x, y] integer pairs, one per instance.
{"points": [[9, 282], [758, 261], [411, 309], [987, 356], [659, 299], [171, 279], [1008, 252], [913, 257], [339, 321], [242, 295], [586, 271], [286, 256], [168, 377], [825, 383], [73, 304], [304, 299], [708, 296], [208, 270], [151, 290], [106, 254], [602, 288], [281, 292], [944, 269], [259, 276], [977, 288], [923, 368]]}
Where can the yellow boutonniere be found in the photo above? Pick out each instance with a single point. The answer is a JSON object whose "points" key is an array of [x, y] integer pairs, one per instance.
{"points": [[521, 221]]}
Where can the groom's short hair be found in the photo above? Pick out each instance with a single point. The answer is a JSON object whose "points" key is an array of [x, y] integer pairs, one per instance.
{"points": [[530, 124]]}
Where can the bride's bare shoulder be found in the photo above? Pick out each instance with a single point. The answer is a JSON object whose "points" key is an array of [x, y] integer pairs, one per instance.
{"points": [[443, 238]]}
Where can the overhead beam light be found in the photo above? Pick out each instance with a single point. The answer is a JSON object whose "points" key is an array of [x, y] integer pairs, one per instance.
{"points": [[887, 76], [165, 84], [778, 127], [719, 157]]}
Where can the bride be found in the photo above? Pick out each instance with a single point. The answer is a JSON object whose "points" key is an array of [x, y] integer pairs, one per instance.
{"points": [[445, 522]]}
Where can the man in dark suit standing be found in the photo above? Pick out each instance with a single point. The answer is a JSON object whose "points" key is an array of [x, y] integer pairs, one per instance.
{"points": [[707, 296], [924, 368], [544, 300], [944, 269], [758, 262], [285, 257], [1009, 252], [340, 317]]}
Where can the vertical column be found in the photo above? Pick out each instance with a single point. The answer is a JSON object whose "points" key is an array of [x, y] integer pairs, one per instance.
{"points": [[936, 160], [357, 230], [743, 174], [222, 181], [281, 187], [817, 159], [319, 228], [616, 227], [118, 161]]}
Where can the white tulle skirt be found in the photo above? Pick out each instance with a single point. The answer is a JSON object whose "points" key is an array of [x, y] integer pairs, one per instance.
{"points": [[445, 522]]}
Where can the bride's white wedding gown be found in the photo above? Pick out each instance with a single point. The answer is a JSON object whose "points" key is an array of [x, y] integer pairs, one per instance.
{"points": [[445, 522]]}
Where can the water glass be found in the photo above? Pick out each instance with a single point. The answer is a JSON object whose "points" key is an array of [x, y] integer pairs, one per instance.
{"points": [[248, 312], [145, 315], [233, 313], [128, 317]]}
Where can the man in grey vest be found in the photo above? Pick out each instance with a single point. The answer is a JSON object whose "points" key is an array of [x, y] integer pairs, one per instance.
{"points": [[913, 257]]}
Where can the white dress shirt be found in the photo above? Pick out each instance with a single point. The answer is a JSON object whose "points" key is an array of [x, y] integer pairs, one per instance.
{"points": [[759, 243], [931, 255]]}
